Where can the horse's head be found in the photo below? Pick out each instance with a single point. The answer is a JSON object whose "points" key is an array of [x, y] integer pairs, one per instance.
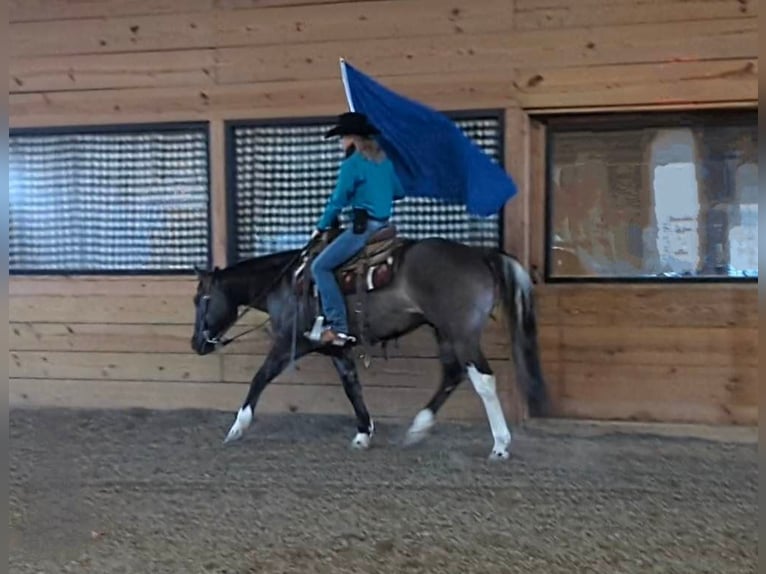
{"points": [[215, 312]]}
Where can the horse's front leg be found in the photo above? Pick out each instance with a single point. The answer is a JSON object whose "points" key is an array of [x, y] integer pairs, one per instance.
{"points": [[346, 368], [276, 362]]}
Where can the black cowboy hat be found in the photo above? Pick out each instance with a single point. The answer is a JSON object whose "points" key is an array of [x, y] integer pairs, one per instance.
{"points": [[352, 124]]}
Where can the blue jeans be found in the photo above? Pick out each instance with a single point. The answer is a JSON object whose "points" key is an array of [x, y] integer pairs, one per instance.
{"points": [[343, 248]]}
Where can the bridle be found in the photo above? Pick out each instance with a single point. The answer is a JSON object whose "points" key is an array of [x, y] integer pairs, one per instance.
{"points": [[204, 303], [218, 340]]}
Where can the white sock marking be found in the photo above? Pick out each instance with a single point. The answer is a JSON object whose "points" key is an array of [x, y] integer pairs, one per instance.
{"points": [[361, 441], [420, 426], [244, 418], [485, 386], [423, 421]]}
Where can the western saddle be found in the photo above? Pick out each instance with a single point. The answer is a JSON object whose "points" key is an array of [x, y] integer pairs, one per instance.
{"points": [[371, 269]]}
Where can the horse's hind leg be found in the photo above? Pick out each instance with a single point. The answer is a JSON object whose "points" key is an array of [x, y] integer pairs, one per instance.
{"points": [[453, 373], [346, 368], [484, 382]]}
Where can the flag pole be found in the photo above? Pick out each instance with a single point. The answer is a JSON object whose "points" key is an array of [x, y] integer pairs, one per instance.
{"points": [[344, 77]]}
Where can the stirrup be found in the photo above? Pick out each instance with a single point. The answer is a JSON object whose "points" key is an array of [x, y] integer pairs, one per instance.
{"points": [[315, 334]]}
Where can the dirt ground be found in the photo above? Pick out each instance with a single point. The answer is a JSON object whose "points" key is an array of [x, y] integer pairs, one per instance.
{"points": [[154, 492]]}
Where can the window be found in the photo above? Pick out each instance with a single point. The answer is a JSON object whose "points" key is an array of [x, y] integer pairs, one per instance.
{"points": [[109, 199], [281, 174], [671, 196]]}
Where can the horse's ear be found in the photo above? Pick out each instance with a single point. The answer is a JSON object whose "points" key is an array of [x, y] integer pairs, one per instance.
{"points": [[199, 271]]}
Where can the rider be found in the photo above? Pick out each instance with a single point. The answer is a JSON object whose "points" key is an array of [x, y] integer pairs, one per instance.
{"points": [[367, 182]]}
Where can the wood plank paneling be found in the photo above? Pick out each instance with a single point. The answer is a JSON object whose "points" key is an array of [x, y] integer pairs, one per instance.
{"points": [[110, 71], [114, 366], [165, 310], [386, 57], [517, 163], [735, 38], [629, 43], [137, 310], [124, 394], [379, 20], [291, 25], [659, 392], [395, 372], [104, 337], [113, 285], [603, 66], [277, 398], [626, 84], [632, 345], [636, 43], [529, 5], [515, 220], [677, 83], [596, 343], [659, 305], [679, 353], [248, 4], [42, 10], [146, 338], [536, 14], [264, 100], [177, 31], [673, 352]]}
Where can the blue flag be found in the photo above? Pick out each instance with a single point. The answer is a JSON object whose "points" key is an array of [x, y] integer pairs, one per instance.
{"points": [[432, 156]]}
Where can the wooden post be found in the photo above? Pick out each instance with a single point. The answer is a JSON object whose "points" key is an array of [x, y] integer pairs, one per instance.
{"points": [[536, 197], [218, 192], [517, 163], [218, 203], [516, 232]]}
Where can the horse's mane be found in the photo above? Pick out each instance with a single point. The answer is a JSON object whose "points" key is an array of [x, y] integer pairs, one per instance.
{"points": [[260, 264]]}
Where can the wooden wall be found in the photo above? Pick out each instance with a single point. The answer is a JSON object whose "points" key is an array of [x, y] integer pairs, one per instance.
{"points": [[674, 353], [78, 61]]}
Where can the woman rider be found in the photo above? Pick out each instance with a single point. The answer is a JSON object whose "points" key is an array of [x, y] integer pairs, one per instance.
{"points": [[367, 182]]}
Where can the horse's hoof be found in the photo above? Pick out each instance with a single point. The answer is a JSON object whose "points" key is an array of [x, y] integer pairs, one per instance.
{"points": [[232, 436], [244, 418], [361, 441], [499, 454], [413, 437], [420, 428]]}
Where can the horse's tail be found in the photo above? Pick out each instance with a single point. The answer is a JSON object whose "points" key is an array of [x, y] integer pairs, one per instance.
{"points": [[518, 299]]}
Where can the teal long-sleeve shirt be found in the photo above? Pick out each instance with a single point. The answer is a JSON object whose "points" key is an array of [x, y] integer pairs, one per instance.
{"points": [[363, 184]]}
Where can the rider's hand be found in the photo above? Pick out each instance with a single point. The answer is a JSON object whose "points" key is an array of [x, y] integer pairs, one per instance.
{"points": [[315, 234]]}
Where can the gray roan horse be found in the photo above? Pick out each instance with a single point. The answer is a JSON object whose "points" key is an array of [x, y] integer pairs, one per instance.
{"points": [[402, 284]]}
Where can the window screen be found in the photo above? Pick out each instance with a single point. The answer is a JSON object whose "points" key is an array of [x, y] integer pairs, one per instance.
{"points": [[282, 174], [109, 200], [663, 195]]}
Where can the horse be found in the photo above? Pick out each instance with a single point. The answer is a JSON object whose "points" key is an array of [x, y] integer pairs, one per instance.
{"points": [[447, 286]]}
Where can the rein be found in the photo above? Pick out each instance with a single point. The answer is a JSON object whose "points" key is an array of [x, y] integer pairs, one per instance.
{"points": [[221, 342]]}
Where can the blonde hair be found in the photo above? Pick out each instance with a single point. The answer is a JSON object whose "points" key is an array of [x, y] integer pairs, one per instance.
{"points": [[369, 148]]}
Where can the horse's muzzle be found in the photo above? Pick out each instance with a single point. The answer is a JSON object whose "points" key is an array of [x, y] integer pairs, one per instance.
{"points": [[201, 345]]}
